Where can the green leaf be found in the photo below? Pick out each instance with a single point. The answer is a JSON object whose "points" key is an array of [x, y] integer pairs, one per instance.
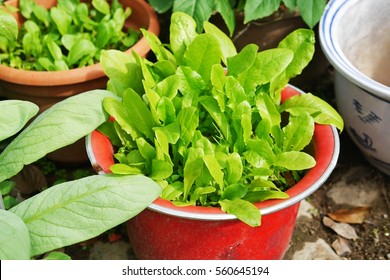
{"points": [[181, 33], [102, 6], [140, 116], [267, 66], [168, 87], [57, 256], [322, 112], [166, 111], [8, 26], [198, 9], [290, 4], [160, 169], [124, 169], [103, 35], [311, 10], [202, 54], [192, 84], [62, 20], [256, 9], [262, 148], [189, 121], [301, 42], [156, 46], [294, 160], [117, 110], [243, 210], [74, 211], [235, 191], [54, 49], [226, 44], [192, 171], [49, 132], [172, 191], [212, 107], [298, 132], [41, 14], [258, 196], [14, 116], [243, 60], [161, 6], [234, 168], [267, 109], [81, 49], [26, 7], [123, 68], [6, 187], [227, 13], [214, 168], [14, 237]]}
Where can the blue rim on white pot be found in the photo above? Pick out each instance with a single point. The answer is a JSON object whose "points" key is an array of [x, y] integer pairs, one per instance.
{"points": [[347, 32], [327, 31]]}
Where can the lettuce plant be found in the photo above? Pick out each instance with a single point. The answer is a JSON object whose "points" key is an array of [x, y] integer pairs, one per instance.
{"points": [[68, 35], [206, 122], [73, 211]]}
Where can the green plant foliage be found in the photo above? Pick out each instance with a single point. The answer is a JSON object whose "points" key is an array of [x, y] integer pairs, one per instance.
{"points": [[68, 35], [49, 131], [212, 131], [14, 115], [79, 210], [201, 11], [14, 237], [69, 212]]}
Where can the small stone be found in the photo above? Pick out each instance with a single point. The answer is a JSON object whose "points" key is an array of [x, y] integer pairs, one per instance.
{"points": [[318, 250]]}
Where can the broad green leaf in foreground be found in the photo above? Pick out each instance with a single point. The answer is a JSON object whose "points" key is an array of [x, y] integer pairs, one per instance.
{"points": [[99, 202], [14, 115], [14, 237], [49, 131]]}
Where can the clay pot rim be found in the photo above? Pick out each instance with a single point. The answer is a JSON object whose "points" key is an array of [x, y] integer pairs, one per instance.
{"points": [[78, 75], [326, 146]]}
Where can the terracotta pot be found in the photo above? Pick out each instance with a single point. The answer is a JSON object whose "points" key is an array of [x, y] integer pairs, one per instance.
{"points": [[165, 231], [46, 88]]}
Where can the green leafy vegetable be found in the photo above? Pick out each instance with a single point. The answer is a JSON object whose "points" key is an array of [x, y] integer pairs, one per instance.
{"points": [[209, 135], [68, 35]]}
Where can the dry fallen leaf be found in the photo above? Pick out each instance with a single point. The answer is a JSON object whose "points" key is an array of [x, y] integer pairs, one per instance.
{"points": [[342, 229], [351, 216], [341, 246]]}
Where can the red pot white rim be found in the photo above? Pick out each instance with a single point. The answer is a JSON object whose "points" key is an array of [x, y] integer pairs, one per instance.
{"points": [[326, 146]]}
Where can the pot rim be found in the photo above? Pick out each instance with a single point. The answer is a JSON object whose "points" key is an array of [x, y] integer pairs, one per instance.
{"points": [[79, 75], [332, 50], [326, 146]]}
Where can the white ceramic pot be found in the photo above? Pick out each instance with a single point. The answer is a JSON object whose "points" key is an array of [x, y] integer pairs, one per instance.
{"points": [[355, 37]]}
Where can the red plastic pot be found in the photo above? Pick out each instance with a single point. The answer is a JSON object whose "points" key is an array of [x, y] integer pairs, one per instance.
{"points": [[165, 231]]}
